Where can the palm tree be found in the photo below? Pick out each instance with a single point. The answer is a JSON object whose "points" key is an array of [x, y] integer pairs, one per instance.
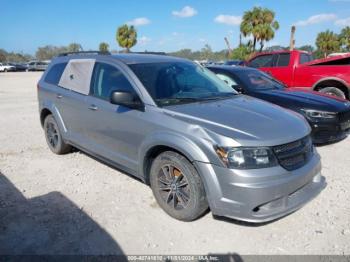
{"points": [[126, 36], [259, 23], [328, 42], [345, 38], [103, 47]]}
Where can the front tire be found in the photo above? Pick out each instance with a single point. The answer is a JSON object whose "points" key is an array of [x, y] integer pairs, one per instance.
{"points": [[53, 137], [333, 91], [177, 187]]}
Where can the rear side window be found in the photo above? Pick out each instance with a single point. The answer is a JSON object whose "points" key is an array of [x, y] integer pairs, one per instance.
{"points": [[55, 73], [108, 79], [261, 61], [283, 59], [304, 58]]}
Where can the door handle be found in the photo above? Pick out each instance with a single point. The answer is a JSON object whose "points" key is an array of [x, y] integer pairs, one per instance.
{"points": [[93, 107], [59, 96]]}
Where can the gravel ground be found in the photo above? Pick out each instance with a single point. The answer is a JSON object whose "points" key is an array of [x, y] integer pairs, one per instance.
{"points": [[73, 204]]}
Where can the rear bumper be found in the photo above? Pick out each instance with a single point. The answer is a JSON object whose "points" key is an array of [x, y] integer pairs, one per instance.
{"points": [[260, 195]]}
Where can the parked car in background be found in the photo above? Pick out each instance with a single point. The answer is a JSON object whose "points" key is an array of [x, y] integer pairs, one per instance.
{"points": [[19, 67], [298, 69], [37, 66], [234, 63], [5, 67], [176, 126], [328, 116]]}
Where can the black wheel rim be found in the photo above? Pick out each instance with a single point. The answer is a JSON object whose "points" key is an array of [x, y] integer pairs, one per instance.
{"points": [[52, 134], [173, 187]]}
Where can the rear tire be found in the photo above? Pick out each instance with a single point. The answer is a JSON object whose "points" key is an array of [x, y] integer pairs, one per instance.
{"points": [[177, 187], [333, 91], [53, 137]]}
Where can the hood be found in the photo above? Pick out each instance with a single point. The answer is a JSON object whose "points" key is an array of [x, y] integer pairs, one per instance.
{"points": [[249, 121], [299, 98]]}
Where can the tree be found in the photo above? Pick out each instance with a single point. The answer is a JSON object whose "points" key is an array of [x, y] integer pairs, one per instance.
{"points": [[74, 47], [345, 38], [3, 55], [103, 47], [259, 23], [328, 42], [126, 36], [206, 52], [242, 52], [307, 48]]}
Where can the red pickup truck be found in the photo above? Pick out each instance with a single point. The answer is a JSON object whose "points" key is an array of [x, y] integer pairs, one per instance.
{"points": [[298, 69]]}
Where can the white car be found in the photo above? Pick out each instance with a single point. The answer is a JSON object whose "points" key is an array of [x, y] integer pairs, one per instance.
{"points": [[6, 67]]}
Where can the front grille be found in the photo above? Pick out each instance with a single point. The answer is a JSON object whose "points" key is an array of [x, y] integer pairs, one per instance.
{"points": [[294, 155]]}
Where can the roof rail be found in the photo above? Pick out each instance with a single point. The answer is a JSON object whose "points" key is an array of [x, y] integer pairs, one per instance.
{"points": [[84, 53], [149, 53]]}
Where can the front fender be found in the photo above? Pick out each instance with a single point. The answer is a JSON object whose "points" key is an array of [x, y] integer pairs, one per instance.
{"points": [[173, 140]]}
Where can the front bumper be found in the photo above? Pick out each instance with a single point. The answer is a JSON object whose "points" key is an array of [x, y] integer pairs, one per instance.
{"points": [[260, 195], [329, 132]]}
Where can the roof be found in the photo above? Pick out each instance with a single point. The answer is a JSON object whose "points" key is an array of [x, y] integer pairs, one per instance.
{"points": [[145, 58], [126, 58]]}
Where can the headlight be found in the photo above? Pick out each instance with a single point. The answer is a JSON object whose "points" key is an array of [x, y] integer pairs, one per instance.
{"points": [[319, 114], [246, 157]]}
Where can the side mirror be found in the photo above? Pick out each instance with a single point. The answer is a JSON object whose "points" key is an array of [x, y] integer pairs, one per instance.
{"points": [[127, 99]]}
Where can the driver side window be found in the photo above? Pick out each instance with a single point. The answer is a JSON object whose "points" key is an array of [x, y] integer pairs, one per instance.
{"points": [[107, 79]]}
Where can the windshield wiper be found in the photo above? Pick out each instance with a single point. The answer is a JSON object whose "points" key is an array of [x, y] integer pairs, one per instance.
{"points": [[223, 96], [177, 100]]}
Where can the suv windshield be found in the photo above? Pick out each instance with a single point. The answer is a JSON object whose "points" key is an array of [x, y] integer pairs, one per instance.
{"points": [[256, 80], [172, 83]]}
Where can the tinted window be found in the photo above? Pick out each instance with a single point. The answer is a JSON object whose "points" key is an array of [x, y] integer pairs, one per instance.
{"points": [[257, 80], [304, 58], [261, 61], [180, 82], [228, 80], [283, 59], [55, 73], [108, 79]]}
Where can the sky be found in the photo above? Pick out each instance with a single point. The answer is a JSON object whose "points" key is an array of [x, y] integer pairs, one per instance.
{"points": [[162, 25]]}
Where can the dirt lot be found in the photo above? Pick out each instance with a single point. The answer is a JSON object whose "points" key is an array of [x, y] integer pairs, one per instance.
{"points": [[73, 204]]}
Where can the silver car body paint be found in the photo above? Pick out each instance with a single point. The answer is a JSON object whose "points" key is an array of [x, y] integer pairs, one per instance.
{"points": [[124, 137]]}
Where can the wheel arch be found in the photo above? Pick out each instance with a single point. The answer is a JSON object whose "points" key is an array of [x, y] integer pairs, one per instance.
{"points": [[168, 142], [43, 114], [333, 82]]}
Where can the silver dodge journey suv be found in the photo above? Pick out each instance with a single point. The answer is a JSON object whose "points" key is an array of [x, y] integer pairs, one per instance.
{"points": [[183, 131]]}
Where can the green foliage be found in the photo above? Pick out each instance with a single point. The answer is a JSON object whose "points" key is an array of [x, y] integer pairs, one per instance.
{"points": [[328, 42], [13, 57], [307, 48], [104, 47], [206, 53], [49, 51], [259, 23], [126, 36], [345, 38], [74, 47], [242, 53]]}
